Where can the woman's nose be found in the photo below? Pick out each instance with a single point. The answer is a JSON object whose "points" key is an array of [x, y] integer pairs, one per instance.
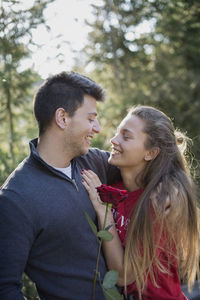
{"points": [[114, 140]]}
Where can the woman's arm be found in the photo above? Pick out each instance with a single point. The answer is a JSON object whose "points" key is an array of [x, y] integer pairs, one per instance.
{"points": [[113, 250]]}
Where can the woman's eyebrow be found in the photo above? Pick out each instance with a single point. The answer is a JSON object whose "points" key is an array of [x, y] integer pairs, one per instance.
{"points": [[126, 130]]}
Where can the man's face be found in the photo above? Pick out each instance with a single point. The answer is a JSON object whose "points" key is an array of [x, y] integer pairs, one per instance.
{"points": [[82, 127]]}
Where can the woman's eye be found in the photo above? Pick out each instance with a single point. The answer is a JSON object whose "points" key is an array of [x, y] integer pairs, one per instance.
{"points": [[126, 137], [91, 120]]}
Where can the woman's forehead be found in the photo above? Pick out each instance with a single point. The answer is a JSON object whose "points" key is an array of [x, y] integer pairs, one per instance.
{"points": [[131, 123]]}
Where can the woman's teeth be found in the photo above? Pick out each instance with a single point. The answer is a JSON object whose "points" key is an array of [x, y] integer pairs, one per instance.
{"points": [[114, 151]]}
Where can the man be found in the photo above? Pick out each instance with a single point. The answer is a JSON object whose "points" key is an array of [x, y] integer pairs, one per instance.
{"points": [[43, 228]]}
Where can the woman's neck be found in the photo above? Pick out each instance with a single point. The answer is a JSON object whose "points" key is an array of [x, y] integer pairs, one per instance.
{"points": [[130, 178]]}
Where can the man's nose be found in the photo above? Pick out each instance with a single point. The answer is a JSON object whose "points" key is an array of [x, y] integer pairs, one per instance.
{"points": [[96, 127]]}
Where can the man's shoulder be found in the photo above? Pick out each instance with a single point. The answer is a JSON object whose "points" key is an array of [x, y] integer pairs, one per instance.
{"points": [[21, 176], [17, 170], [97, 161], [94, 156], [99, 152], [96, 152]]}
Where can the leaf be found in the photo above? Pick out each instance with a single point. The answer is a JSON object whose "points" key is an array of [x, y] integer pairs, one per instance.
{"points": [[110, 279], [91, 223], [112, 294], [105, 235]]}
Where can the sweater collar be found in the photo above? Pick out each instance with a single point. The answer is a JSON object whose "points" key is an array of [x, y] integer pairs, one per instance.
{"points": [[35, 155]]}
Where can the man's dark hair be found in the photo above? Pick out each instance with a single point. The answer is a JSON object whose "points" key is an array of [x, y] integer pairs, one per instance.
{"points": [[66, 90]]}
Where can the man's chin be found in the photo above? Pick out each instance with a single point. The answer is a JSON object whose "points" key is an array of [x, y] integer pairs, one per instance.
{"points": [[84, 151]]}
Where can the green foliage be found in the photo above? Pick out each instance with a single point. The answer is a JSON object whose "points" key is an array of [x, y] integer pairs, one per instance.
{"points": [[109, 286], [158, 67], [111, 277], [112, 294], [29, 289], [91, 223], [105, 235], [16, 84]]}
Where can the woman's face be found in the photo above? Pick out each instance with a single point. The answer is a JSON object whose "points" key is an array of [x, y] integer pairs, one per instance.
{"points": [[128, 150]]}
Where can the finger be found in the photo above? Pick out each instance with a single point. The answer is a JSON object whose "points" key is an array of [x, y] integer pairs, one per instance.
{"points": [[93, 177], [99, 199], [87, 187], [90, 172], [96, 178], [94, 196], [88, 180]]}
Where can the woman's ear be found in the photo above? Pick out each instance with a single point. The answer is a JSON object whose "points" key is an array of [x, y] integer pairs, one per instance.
{"points": [[61, 118], [152, 154]]}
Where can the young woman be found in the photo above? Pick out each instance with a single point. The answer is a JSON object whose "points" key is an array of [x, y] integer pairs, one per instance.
{"points": [[156, 225]]}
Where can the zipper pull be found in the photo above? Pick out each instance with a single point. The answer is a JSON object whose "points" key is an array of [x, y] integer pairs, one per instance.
{"points": [[75, 184]]}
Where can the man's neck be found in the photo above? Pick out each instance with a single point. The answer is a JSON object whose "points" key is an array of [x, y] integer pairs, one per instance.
{"points": [[51, 151]]}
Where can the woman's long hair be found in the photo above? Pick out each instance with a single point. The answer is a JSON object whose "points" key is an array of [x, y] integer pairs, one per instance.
{"points": [[153, 225]]}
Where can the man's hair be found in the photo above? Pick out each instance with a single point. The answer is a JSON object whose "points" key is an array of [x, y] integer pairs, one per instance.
{"points": [[66, 90]]}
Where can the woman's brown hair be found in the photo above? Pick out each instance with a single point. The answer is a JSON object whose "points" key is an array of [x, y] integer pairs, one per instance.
{"points": [[154, 224]]}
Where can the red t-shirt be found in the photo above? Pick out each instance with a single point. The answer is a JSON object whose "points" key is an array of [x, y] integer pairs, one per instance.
{"points": [[169, 285]]}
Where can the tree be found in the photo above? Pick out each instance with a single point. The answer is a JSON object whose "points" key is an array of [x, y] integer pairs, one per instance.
{"points": [[16, 25], [159, 67]]}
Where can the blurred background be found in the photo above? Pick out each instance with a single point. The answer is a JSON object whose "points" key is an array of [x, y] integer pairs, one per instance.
{"points": [[141, 51]]}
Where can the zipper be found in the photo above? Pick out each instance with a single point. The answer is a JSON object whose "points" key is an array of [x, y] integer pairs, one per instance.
{"points": [[75, 184]]}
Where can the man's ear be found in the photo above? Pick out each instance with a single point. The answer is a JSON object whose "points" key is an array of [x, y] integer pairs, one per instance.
{"points": [[152, 154], [61, 117]]}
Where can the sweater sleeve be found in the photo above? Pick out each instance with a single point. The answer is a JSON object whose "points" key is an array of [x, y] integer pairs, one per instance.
{"points": [[16, 237], [97, 161]]}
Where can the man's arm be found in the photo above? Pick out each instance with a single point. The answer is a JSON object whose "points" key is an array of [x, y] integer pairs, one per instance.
{"points": [[16, 237]]}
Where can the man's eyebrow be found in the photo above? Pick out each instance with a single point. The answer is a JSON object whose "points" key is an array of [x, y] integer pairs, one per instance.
{"points": [[92, 113]]}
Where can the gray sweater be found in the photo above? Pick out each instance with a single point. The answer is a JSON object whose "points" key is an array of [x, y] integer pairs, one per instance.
{"points": [[44, 231]]}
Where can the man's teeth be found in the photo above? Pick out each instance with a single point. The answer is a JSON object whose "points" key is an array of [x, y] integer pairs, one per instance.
{"points": [[114, 151]]}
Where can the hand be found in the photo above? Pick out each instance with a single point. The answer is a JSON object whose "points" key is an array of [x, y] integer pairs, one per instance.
{"points": [[90, 182]]}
